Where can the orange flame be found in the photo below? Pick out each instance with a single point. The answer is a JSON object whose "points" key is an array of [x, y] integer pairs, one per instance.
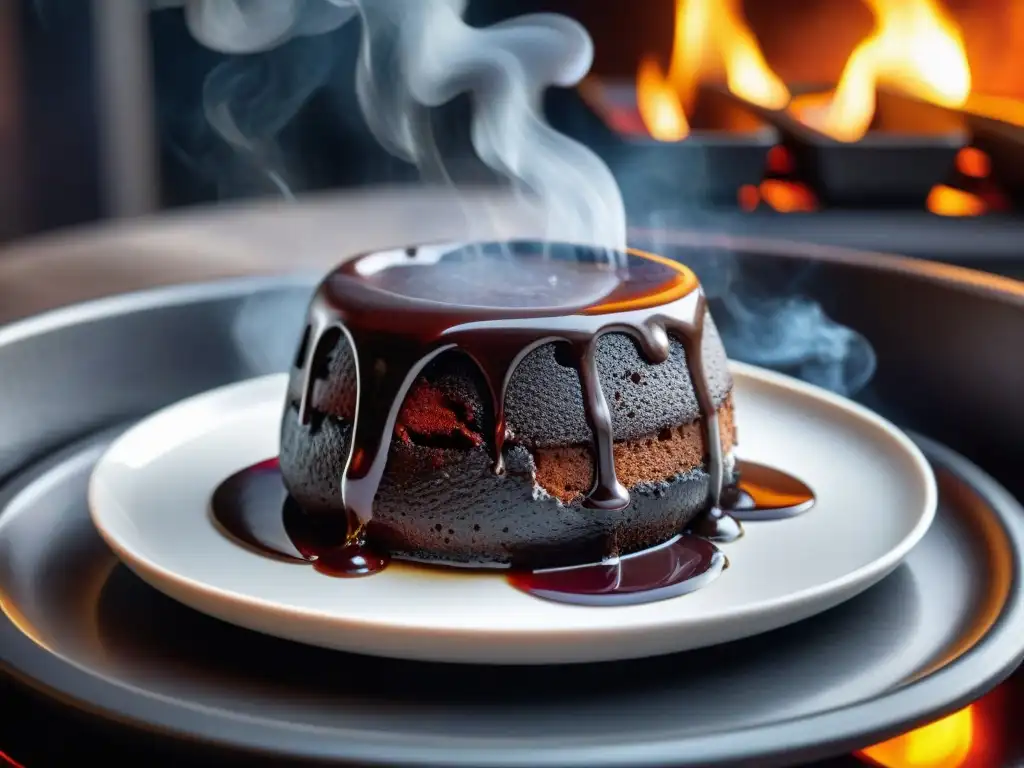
{"points": [[710, 40], [949, 201], [659, 105], [781, 196], [915, 48], [945, 743]]}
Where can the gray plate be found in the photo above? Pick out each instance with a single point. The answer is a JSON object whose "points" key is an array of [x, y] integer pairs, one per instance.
{"points": [[943, 629]]}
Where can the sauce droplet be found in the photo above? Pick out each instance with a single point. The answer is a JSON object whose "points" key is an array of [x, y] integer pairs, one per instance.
{"points": [[354, 558], [766, 493], [716, 525]]}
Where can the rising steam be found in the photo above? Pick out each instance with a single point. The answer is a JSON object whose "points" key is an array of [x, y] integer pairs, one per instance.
{"points": [[417, 55], [778, 327], [506, 68], [793, 334], [251, 26]]}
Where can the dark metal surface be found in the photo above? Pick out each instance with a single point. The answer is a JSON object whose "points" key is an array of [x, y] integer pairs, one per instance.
{"points": [[991, 242], [1004, 143], [109, 644], [909, 148], [727, 149]]}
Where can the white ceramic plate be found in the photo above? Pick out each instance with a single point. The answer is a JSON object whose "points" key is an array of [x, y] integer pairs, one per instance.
{"points": [[876, 497]]}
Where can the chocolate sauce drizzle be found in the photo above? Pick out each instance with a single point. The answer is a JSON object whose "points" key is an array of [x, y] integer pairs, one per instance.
{"points": [[766, 493], [254, 508], [394, 335]]}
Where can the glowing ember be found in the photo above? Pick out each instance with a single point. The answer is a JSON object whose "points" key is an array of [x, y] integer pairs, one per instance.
{"points": [[971, 161], [948, 201], [748, 197], [779, 195], [942, 744], [780, 161], [787, 196], [659, 106], [915, 48], [710, 41]]}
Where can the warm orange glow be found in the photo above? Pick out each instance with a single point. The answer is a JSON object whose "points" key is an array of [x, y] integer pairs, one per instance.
{"points": [[787, 196], [659, 105], [943, 744], [748, 197], [681, 282], [711, 41], [780, 160], [997, 108], [971, 161], [915, 48], [948, 201]]}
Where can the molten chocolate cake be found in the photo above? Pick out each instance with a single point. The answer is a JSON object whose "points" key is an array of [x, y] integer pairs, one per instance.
{"points": [[520, 404]]}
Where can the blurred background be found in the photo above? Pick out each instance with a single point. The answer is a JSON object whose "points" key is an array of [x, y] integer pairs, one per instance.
{"points": [[890, 125]]}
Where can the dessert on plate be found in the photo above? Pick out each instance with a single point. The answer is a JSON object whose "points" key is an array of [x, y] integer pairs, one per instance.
{"points": [[510, 404]]}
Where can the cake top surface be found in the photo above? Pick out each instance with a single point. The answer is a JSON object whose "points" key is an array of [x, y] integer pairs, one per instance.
{"points": [[449, 283]]}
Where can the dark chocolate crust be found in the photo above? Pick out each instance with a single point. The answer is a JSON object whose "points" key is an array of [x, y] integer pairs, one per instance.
{"points": [[439, 498], [444, 504], [544, 404]]}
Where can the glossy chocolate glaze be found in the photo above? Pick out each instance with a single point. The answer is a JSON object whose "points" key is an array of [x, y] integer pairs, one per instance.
{"points": [[496, 304], [395, 335]]}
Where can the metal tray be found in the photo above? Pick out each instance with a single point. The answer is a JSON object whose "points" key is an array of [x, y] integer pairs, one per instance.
{"points": [[78, 627]]}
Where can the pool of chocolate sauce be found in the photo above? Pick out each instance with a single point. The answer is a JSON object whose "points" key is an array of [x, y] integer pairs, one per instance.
{"points": [[254, 508], [496, 302]]}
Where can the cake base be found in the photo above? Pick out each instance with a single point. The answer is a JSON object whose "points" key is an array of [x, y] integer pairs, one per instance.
{"points": [[447, 505]]}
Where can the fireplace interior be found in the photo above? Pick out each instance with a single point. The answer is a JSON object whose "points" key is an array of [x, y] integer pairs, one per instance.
{"points": [[895, 104], [892, 125], [889, 125]]}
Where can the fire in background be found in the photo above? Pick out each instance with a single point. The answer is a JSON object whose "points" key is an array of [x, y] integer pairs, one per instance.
{"points": [[960, 54], [711, 42]]}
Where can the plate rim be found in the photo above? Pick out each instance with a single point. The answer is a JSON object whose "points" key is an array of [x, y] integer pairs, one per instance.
{"points": [[858, 580], [987, 662]]}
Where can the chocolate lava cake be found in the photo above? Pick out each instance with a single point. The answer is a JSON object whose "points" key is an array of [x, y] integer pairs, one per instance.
{"points": [[440, 499]]}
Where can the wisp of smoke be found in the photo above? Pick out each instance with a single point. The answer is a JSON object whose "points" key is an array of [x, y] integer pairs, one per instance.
{"points": [[779, 329], [248, 102], [251, 26], [417, 55]]}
